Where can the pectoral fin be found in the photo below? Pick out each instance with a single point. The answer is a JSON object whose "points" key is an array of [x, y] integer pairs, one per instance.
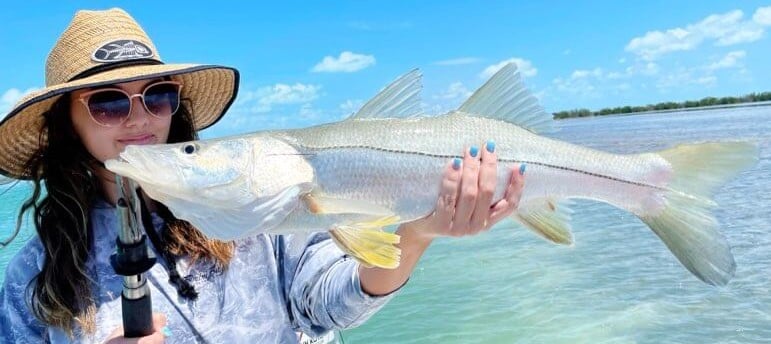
{"points": [[368, 243], [547, 217]]}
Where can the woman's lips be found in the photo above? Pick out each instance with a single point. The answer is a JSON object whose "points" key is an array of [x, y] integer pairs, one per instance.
{"points": [[138, 140]]}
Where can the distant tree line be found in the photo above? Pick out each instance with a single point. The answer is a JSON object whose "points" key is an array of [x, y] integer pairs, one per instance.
{"points": [[708, 101]]}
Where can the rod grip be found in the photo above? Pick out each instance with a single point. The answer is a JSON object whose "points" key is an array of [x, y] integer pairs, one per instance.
{"points": [[137, 316]]}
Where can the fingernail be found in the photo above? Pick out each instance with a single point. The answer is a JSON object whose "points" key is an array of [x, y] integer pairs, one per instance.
{"points": [[474, 150], [456, 164], [166, 331], [522, 169], [490, 146]]}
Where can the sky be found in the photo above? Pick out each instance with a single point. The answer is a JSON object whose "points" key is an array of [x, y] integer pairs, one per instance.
{"points": [[304, 63]]}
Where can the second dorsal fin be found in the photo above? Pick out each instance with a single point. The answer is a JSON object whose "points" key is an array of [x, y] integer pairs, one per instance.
{"points": [[505, 97]]}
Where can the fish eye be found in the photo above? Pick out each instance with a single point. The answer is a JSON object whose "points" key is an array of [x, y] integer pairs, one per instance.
{"points": [[189, 148]]}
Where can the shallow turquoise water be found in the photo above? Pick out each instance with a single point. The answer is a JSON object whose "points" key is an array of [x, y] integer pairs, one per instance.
{"points": [[618, 284]]}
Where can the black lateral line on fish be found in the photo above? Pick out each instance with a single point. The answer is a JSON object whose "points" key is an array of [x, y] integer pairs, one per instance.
{"points": [[444, 156], [281, 154]]}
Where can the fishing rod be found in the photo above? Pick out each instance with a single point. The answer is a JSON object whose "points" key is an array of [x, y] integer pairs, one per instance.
{"points": [[131, 260]]}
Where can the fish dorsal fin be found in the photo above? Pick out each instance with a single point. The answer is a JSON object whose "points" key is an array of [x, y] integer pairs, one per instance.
{"points": [[400, 99], [506, 98], [547, 217]]}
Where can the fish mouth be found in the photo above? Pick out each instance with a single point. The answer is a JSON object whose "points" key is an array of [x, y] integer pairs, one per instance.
{"points": [[122, 166]]}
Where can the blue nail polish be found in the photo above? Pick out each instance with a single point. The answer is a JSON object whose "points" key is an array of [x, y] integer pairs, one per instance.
{"points": [[456, 164], [474, 151], [490, 146], [522, 169]]}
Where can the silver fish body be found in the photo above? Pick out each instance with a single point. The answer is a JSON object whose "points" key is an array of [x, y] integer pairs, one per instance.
{"points": [[393, 163]]}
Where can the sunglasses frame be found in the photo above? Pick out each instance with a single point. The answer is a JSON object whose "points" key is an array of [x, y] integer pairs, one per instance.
{"points": [[84, 98]]}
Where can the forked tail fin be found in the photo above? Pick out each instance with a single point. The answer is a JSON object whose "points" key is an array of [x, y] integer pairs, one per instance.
{"points": [[686, 224]]}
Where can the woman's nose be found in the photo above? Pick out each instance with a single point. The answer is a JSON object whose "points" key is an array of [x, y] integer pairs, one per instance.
{"points": [[139, 116]]}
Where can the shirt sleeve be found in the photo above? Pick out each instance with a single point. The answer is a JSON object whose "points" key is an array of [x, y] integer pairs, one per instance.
{"points": [[17, 323], [322, 285]]}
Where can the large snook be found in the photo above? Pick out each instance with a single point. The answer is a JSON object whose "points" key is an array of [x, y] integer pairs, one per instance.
{"points": [[383, 165]]}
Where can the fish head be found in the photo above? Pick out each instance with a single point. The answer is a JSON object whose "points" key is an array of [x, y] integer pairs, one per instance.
{"points": [[198, 171]]}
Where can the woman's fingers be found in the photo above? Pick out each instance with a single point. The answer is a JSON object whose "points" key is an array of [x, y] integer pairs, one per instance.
{"points": [[159, 321], [485, 189], [448, 193], [467, 195], [510, 201], [466, 192]]}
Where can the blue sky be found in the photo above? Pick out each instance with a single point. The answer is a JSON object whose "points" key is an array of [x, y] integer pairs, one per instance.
{"points": [[304, 63]]}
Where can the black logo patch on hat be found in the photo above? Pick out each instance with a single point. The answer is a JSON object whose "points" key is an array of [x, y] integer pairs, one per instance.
{"points": [[120, 50]]}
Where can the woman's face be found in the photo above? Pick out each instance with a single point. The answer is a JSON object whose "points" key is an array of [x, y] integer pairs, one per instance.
{"points": [[141, 128]]}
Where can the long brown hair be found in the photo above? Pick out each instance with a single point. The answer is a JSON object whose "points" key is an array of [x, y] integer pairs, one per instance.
{"points": [[61, 293]]}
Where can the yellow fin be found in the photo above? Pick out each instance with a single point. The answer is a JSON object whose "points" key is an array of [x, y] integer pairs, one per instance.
{"points": [[548, 218], [327, 205], [368, 244]]}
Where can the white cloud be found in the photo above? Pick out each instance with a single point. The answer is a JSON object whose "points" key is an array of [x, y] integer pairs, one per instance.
{"points": [[577, 87], [264, 98], [350, 106], [456, 90], [645, 68], [580, 83], [447, 99], [597, 82], [581, 73], [347, 62], [707, 80], [730, 60], [9, 99], [723, 29], [309, 113], [685, 77], [762, 16], [525, 67], [615, 75], [729, 29], [656, 43], [458, 61]]}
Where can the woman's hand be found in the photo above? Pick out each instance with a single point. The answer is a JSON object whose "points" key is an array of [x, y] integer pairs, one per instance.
{"points": [[464, 206], [158, 335]]}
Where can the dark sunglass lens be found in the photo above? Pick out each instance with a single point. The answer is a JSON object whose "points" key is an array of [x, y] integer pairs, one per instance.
{"points": [[162, 99], [109, 107]]}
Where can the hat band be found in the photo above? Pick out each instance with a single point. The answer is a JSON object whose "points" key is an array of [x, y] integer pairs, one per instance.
{"points": [[110, 66]]}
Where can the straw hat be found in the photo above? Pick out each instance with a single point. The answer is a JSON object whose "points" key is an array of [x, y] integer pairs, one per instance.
{"points": [[102, 48]]}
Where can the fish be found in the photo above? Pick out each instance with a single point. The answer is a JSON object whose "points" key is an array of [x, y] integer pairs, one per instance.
{"points": [[378, 168]]}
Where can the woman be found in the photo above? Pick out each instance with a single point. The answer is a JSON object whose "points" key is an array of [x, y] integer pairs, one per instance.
{"points": [[108, 88]]}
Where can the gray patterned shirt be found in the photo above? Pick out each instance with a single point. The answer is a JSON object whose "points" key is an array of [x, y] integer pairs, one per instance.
{"points": [[273, 287]]}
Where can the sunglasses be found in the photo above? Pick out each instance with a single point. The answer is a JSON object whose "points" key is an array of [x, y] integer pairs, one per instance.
{"points": [[111, 107]]}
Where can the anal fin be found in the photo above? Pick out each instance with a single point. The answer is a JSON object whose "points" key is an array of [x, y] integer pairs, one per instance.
{"points": [[548, 218]]}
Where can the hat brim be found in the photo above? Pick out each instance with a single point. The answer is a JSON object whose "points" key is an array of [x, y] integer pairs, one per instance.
{"points": [[210, 89]]}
